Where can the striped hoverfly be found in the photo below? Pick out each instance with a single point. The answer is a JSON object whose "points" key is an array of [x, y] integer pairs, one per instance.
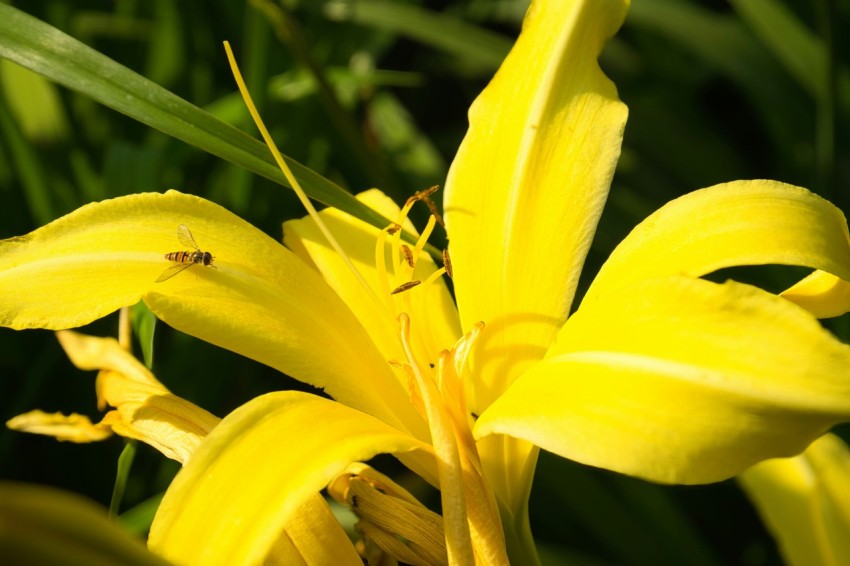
{"points": [[185, 259]]}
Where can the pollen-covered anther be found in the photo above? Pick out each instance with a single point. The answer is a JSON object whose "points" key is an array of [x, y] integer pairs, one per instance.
{"points": [[447, 263], [400, 526], [405, 287], [408, 255], [423, 195]]}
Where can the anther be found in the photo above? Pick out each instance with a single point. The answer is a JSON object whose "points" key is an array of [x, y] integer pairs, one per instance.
{"points": [[393, 228], [404, 287], [447, 263], [423, 194], [433, 208], [408, 255]]}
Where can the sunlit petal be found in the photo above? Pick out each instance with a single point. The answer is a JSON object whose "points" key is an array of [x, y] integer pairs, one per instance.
{"points": [[805, 502], [260, 300], [72, 428], [528, 184], [739, 223], [681, 380], [313, 536], [145, 409], [280, 449], [822, 294]]}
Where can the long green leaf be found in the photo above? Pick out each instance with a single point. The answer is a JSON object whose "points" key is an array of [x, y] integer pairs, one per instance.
{"points": [[47, 51], [451, 35], [788, 39]]}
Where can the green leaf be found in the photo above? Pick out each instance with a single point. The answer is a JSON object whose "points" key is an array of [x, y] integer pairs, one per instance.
{"points": [[49, 52], [454, 36], [137, 520], [144, 325], [125, 463], [33, 180], [799, 50], [727, 47]]}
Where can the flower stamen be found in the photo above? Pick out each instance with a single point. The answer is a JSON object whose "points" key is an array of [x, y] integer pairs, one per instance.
{"points": [[412, 388], [447, 263], [391, 518], [445, 444], [408, 256], [405, 287]]}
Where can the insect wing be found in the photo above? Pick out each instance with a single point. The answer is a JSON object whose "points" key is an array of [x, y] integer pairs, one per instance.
{"points": [[185, 237], [171, 271]]}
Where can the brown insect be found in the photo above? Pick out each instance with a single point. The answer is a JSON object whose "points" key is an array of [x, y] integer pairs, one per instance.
{"points": [[185, 259]]}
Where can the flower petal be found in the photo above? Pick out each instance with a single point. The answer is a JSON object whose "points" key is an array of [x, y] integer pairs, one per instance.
{"points": [[680, 380], [805, 501], [71, 428], [281, 449], [260, 301], [145, 409], [738, 223], [526, 189], [821, 293], [313, 536]]}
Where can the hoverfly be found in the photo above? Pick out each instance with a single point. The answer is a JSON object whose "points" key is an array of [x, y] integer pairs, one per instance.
{"points": [[183, 260]]}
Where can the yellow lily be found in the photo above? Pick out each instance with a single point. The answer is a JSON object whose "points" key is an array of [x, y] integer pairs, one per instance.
{"points": [[658, 374]]}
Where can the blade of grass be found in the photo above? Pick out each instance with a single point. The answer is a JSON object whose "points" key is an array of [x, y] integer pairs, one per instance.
{"points": [[144, 327], [125, 462], [289, 33], [47, 51], [30, 170], [137, 520], [446, 33], [793, 45], [726, 45], [810, 60]]}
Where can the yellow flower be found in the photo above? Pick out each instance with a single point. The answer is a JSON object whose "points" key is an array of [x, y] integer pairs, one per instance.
{"points": [[658, 373]]}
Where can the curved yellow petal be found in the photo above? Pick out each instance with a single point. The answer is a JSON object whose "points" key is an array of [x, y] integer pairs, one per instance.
{"points": [[313, 536], [821, 293], [145, 409], [680, 380], [805, 502], [43, 525], [260, 300], [430, 306], [278, 450], [738, 223], [71, 428], [529, 182]]}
